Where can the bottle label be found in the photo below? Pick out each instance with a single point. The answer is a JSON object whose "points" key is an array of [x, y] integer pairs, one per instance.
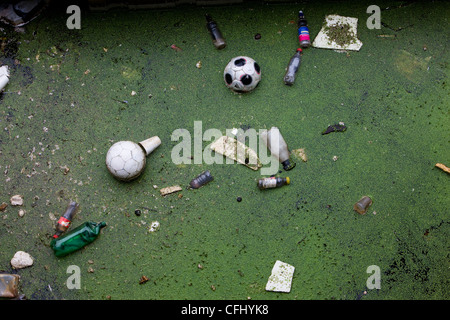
{"points": [[269, 183], [64, 222], [303, 34]]}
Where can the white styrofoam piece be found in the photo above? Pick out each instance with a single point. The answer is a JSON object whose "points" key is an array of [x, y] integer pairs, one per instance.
{"points": [[323, 41], [281, 278]]}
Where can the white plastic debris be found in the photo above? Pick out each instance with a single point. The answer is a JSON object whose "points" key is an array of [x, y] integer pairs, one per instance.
{"points": [[322, 39], [21, 260], [154, 226], [4, 76], [16, 200], [281, 278]]}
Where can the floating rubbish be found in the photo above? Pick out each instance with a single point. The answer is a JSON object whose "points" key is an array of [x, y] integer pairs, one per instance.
{"points": [[4, 76], [76, 239], [154, 226], [64, 221], [216, 35], [272, 182], [335, 128], [443, 167], [339, 33], [16, 200], [303, 31], [126, 160], [412, 67], [278, 147], [236, 150], [21, 260], [9, 285], [19, 13], [292, 68], [362, 205], [300, 153], [202, 179], [174, 47], [169, 190], [280, 279]]}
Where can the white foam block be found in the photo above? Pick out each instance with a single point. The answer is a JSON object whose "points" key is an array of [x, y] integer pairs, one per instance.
{"points": [[323, 41], [281, 278]]}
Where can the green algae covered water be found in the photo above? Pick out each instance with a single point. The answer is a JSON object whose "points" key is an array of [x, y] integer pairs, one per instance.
{"points": [[73, 93]]}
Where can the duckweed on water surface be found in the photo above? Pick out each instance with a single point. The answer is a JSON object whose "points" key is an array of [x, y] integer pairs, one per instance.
{"points": [[73, 93]]}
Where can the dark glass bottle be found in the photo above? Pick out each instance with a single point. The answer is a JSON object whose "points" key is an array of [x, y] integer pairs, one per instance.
{"points": [[65, 220], [76, 239], [272, 182], [201, 180], [216, 35], [303, 31], [292, 68]]}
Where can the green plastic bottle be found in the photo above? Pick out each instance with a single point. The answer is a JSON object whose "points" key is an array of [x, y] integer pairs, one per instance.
{"points": [[77, 238]]}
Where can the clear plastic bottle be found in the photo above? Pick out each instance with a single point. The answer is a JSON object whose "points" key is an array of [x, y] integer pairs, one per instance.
{"points": [[303, 31], [292, 68], [278, 147], [216, 35], [273, 182], [65, 220]]}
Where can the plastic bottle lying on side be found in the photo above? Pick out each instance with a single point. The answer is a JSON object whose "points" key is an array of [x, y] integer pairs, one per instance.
{"points": [[201, 180], [76, 239], [272, 182], [292, 68], [216, 35], [303, 31], [278, 147]]}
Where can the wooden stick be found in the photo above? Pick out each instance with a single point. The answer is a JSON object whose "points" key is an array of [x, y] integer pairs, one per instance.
{"points": [[443, 167]]}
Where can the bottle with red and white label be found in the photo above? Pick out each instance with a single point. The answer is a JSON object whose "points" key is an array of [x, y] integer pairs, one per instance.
{"points": [[303, 31], [65, 220]]}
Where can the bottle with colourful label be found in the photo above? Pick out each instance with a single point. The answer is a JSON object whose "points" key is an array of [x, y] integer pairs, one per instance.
{"points": [[303, 31], [64, 221]]}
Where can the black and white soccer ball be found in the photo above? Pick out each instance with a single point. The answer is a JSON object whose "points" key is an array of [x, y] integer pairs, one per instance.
{"points": [[125, 160], [242, 74]]}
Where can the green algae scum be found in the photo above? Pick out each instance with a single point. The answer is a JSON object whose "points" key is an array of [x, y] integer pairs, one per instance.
{"points": [[72, 93]]}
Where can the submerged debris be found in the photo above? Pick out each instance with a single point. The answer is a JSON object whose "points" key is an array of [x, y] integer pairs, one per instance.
{"points": [[335, 128], [174, 47]]}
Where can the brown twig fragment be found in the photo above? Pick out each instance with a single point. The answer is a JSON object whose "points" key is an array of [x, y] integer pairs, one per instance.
{"points": [[443, 167]]}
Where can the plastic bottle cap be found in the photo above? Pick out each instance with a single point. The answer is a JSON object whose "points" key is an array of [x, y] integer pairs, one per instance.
{"points": [[299, 49], [288, 181]]}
